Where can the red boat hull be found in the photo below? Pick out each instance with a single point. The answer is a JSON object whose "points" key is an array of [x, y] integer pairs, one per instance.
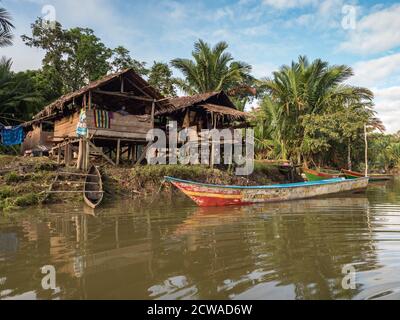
{"points": [[212, 198], [206, 195]]}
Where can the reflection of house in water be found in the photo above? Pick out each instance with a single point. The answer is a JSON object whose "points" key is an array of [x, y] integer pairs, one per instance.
{"points": [[34, 231], [8, 244], [88, 264]]}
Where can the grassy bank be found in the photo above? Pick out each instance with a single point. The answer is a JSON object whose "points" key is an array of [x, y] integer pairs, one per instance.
{"points": [[24, 181], [148, 179]]}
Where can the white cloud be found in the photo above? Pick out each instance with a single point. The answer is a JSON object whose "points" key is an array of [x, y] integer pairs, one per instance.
{"points": [[288, 4], [381, 75], [376, 32], [23, 57], [376, 72], [325, 15], [388, 107]]}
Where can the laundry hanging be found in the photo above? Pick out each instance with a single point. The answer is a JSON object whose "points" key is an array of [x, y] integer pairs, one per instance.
{"points": [[81, 129], [102, 119], [12, 136]]}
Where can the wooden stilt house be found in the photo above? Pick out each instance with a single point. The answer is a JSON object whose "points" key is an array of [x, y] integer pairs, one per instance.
{"points": [[213, 110], [114, 115]]}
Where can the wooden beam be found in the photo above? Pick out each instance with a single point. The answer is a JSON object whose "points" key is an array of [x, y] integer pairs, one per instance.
{"points": [[87, 162], [118, 151], [100, 152], [140, 89], [122, 84], [153, 110], [58, 155], [124, 95], [66, 155], [90, 100], [80, 155], [143, 155]]}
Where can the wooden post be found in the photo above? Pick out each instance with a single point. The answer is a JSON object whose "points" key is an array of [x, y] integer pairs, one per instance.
{"points": [[87, 159], [83, 156], [122, 84], [153, 110], [129, 152], [214, 122], [134, 153], [80, 155], [66, 155], [366, 150], [58, 155], [90, 100], [118, 152]]}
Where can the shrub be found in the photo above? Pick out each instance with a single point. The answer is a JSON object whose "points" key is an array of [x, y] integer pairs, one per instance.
{"points": [[26, 200]]}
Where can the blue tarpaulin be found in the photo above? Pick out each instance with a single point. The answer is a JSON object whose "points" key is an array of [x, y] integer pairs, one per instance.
{"points": [[12, 136]]}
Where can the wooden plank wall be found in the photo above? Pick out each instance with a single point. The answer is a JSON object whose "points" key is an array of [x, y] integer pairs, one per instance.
{"points": [[35, 138], [129, 127], [66, 127]]}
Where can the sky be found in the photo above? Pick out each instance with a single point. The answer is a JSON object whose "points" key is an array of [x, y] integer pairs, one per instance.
{"points": [[264, 33]]}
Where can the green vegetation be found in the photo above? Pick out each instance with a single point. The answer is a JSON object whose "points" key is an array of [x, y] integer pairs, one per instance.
{"points": [[23, 181], [310, 115], [148, 179], [13, 177], [384, 151], [214, 69], [6, 27]]}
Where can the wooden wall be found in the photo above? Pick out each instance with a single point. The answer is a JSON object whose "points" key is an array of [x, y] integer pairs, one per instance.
{"points": [[128, 127], [66, 127], [35, 138]]}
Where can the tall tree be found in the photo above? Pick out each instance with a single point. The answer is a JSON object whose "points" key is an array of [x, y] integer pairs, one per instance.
{"points": [[160, 77], [307, 97], [73, 57], [6, 27], [212, 69], [122, 60]]}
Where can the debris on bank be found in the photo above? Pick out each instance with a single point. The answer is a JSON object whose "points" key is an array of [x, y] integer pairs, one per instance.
{"points": [[25, 181]]}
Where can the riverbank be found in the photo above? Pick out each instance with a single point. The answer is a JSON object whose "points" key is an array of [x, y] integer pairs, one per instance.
{"points": [[24, 181]]}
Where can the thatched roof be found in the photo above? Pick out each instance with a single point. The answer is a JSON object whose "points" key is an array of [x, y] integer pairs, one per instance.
{"points": [[110, 83], [217, 102], [236, 114]]}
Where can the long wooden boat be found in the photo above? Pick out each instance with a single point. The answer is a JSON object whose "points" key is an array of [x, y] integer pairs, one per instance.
{"points": [[373, 177], [313, 175], [209, 195], [93, 192]]}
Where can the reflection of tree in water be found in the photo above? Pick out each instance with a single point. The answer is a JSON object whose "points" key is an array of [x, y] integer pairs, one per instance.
{"points": [[310, 250], [385, 192], [170, 249], [304, 250]]}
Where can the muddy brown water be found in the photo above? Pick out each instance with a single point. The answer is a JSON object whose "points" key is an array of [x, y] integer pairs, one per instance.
{"points": [[167, 248]]}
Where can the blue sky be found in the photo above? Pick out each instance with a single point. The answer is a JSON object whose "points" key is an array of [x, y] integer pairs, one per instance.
{"points": [[264, 33]]}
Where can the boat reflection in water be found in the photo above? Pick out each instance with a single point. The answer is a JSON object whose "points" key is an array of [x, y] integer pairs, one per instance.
{"points": [[166, 248]]}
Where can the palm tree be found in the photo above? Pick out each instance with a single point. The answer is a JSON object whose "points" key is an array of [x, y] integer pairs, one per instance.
{"points": [[303, 89], [18, 97], [5, 28], [213, 69]]}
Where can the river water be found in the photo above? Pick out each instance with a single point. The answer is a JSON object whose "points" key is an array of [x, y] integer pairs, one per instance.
{"points": [[167, 248]]}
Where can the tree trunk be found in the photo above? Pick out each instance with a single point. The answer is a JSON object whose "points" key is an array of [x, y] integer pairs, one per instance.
{"points": [[349, 163]]}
